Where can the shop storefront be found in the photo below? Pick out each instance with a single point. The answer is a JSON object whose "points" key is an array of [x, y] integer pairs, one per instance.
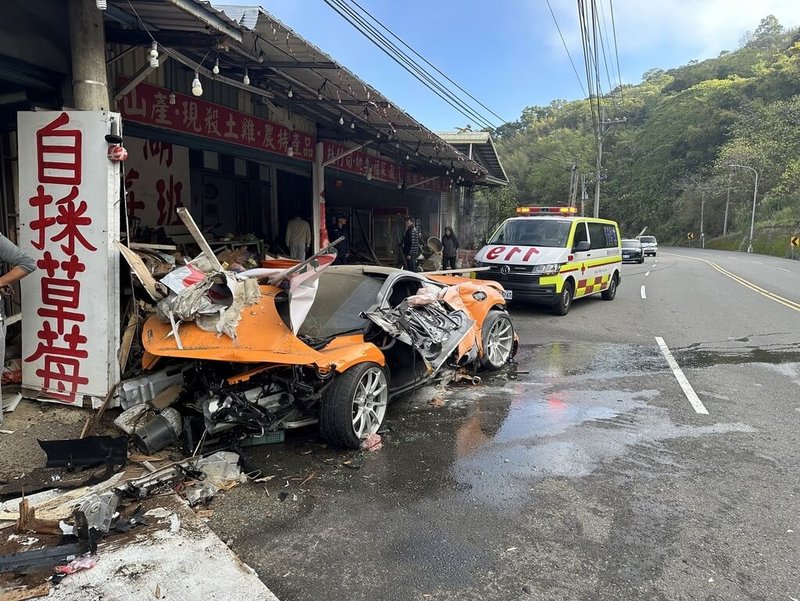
{"points": [[229, 114]]}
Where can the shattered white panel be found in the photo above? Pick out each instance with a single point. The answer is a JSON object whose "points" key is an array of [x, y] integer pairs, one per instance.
{"points": [[183, 563]]}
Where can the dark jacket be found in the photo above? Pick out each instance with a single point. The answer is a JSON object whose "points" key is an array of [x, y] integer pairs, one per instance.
{"points": [[411, 243], [449, 245], [336, 232]]}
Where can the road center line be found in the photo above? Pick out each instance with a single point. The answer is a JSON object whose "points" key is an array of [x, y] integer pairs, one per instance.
{"points": [[647, 274], [697, 404], [643, 294], [784, 269]]}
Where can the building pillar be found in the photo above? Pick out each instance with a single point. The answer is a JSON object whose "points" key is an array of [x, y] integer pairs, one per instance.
{"points": [[318, 201], [88, 45]]}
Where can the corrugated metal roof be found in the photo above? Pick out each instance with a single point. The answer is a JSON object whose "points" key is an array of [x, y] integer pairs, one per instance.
{"points": [[279, 61], [480, 146]]}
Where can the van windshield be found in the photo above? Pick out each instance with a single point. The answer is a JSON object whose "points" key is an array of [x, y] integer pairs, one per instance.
{"points": [[532, 232], [648, 239]]}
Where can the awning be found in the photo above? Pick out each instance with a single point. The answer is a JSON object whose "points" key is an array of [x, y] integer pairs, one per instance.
{"points": [[478, 145], [292, 73]]}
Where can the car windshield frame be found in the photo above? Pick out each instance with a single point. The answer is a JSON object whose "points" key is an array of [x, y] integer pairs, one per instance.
{"points": [[341, 298], [547, 233], [631, 244], [650, 240]]}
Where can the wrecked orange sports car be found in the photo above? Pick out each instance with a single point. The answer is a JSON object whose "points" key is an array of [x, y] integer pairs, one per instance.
{"points": [[371, 333]]}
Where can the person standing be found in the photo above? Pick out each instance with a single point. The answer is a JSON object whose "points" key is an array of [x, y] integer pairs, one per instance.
{"points": [[411, 247], [298, 237], [339, 230], [449, 248], [21, 265]]}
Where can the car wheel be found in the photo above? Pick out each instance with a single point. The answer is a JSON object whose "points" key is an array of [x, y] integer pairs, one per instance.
{"points": [[564, 302], [354, 406], [610, 292], [641, 260], [497, 336]]}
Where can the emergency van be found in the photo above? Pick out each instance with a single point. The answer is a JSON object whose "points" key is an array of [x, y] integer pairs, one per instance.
{"points": [[552, 256]]}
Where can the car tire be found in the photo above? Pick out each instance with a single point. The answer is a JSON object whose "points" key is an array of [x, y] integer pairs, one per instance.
{"points": [[564, 302], [497, 340], [354, 405], [611, 292], [641, 260]]}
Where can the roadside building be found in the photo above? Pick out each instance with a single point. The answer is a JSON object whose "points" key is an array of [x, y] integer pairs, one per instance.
{"points": [[227, 112]]}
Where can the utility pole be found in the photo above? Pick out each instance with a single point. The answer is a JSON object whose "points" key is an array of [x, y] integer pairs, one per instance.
{"points": [[573, 184], [584, 196], [88, 46], [702, 211], [727, 204], [601, 132]]}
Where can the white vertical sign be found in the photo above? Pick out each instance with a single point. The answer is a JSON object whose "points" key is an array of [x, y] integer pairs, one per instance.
{"points": [[69, 215]]}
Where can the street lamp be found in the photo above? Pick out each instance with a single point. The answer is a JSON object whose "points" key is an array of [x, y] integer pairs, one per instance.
{"points": [[755, 194]]}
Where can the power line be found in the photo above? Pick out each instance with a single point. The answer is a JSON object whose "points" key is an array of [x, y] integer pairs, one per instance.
{"points": [[369, 31], [402, 59], [580, 83], [616, 48], [434, 67]]}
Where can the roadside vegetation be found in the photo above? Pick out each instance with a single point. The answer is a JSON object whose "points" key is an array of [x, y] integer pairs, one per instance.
{"points": [[682, 129]]}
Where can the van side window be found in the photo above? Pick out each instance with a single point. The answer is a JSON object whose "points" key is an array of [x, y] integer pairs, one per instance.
{"points": [[602, 235], [580, 234]]}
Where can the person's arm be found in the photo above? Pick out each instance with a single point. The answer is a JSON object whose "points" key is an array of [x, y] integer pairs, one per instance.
{"points": [[21, 264], [455, 242]]}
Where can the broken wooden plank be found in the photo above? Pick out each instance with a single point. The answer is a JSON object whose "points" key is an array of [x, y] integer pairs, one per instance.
{"points": [[201, 241], [144, 246], [153, 288]]}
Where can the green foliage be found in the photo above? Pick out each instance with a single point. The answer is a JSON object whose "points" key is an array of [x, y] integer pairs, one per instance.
{"points": [[683, 128]]}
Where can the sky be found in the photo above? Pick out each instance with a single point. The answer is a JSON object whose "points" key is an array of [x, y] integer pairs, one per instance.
{"points": [[508, 53]]}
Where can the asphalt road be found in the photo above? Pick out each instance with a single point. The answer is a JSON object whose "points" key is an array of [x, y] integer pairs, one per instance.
{"points": [[582, 472]]}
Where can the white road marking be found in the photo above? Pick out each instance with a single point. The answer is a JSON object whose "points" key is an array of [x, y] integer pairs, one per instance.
{"points": [[784, 269], [757, 262], [697, 404], [643, 294], [647, 274]]}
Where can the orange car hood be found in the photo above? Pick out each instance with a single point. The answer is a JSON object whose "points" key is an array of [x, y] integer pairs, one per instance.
{"points": [[262, 337]]}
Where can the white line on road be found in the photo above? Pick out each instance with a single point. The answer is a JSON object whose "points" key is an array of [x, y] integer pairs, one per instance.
{"points": [[643, 294], [697, 404], [757, 262], [647, 274], [784, 269]]}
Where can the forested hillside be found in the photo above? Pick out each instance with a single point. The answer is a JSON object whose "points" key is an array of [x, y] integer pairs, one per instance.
{"points": [[682, 129]]}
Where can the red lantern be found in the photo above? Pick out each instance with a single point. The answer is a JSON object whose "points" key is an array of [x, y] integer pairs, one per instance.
{"points": [[117, 153]]}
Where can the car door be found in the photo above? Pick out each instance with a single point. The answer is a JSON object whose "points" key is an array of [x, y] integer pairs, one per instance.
{"points": [[581, 257], [604, 248]]}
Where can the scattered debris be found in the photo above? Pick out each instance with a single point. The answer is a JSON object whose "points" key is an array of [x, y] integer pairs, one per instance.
{"points": [[84, 562], [372, 443], [436, 402], [86, 452]]}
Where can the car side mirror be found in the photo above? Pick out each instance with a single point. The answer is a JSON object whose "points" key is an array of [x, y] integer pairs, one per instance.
{"points": [[582, 246]]}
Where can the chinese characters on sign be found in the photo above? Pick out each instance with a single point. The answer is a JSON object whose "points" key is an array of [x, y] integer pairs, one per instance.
{"points": [[149, 104], [65, 225], [378, 168], [156, 181]]}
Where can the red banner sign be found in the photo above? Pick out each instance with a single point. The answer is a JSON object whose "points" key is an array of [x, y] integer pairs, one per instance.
{"points": [[378, 168], [150, 105]]}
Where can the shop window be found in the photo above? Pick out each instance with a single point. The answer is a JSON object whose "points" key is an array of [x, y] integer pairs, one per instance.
{"points": [[210, 160], [240, 167]]}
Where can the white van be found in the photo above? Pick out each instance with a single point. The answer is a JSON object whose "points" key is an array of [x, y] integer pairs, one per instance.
{"points": [[552, 256]]}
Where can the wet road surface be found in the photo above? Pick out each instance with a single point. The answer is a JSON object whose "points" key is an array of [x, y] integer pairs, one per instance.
{"points": [[580, 472]]}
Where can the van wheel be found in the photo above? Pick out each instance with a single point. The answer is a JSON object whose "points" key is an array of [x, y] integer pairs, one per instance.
{"points": [[610, 292], [564, 302]]}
